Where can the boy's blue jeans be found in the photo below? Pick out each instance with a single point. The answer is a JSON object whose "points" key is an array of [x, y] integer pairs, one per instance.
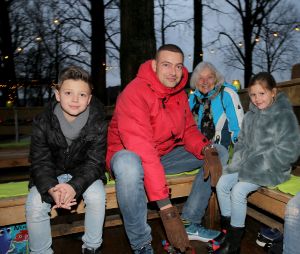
{"points": [[291, 234], [129, 174], [38, 219], [232, 197]]}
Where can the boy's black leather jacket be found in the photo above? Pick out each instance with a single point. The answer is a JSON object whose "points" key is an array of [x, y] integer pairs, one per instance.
{"points": [[50, 155]]}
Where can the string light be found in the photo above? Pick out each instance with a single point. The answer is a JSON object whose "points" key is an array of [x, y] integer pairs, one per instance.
{"points": [[240, 44], [237, 84], [275, 34], [257, 39], [56, 22]]}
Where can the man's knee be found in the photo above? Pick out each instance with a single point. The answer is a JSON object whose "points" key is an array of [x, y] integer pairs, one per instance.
{"points": [[126, 164]]}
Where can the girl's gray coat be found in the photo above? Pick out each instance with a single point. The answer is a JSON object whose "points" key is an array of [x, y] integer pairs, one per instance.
{"points": [[268, 143]]}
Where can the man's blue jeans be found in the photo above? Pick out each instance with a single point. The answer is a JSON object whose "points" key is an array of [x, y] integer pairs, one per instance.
{"points": [[129, 174], [232, 197], [291, 234], [38, 219]]}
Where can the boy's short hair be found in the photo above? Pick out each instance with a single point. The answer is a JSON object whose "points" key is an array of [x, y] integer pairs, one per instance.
{"points": [[169, 47], [75, 73]]}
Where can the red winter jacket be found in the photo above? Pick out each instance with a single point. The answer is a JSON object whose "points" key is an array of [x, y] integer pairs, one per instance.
{"points": [[150, 119]]}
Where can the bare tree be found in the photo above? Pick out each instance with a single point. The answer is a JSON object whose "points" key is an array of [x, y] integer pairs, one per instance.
{"points": [[137, 36], [98, 57], [277, 45], [167, 21], [248, 16], [7, 66], [198, 23]]}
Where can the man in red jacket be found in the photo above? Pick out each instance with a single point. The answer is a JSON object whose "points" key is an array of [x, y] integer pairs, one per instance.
{"points": [[153, 133]]}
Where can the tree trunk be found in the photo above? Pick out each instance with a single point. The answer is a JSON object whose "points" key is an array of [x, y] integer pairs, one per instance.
{"points": [[98, 52], [7, 66], [198, 51], [137, 37]]}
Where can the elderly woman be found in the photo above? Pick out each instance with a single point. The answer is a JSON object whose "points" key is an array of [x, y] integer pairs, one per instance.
{"points": [[216, 105]]}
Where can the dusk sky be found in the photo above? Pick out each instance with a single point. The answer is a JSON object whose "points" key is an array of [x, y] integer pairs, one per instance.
{"points": [[183, 36]]}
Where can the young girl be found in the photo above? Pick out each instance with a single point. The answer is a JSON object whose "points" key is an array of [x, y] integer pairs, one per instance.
{"points": [[268, 143]]}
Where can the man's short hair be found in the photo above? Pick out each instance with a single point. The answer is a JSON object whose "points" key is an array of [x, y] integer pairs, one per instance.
{"points": [[75, 73], [169, 47]]}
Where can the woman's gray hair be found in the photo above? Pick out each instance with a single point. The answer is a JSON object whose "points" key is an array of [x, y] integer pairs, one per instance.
{"points": [[199, 68]]}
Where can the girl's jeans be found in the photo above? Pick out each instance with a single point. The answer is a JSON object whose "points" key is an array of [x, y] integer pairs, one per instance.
{"points": [[291, 234], [38, 219], [232, 197], [129, 174]]}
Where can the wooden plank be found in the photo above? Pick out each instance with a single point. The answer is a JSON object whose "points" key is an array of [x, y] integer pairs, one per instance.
{"points": [[291, 88], [14, 157], [12, 210], [274, 203], [76, 226], [264, 219], [23, 116]]}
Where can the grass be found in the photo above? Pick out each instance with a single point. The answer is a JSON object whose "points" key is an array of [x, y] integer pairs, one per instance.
{"points": [[13, 144]]}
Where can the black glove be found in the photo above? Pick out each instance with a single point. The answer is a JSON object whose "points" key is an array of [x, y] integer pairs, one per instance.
{"points": [[175, 230], [212, 165]]}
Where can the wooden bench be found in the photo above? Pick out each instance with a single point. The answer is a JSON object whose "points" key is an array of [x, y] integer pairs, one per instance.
{"points": [[12, 210], [14, 157], [270, 201]]}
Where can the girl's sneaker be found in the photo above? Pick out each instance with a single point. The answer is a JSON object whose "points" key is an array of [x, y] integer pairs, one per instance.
{"points": [[268, 236]]}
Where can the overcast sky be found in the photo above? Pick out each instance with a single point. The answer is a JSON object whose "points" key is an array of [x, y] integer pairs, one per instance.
{"points": [[183, 37]]}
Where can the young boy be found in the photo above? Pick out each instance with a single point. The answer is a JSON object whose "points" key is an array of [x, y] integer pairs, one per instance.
{"points": [[67, 155]]}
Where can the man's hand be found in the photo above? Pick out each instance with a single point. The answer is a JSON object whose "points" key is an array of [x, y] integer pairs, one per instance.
{"points": [[212, 165], [175, 230]]}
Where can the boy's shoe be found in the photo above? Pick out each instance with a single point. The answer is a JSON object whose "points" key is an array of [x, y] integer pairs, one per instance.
{"points": [[267, 236], [91, 251], [199, 233], [145, 250]]}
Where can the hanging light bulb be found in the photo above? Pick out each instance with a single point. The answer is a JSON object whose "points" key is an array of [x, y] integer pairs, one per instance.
{"points": [[236, 83], [240, 44], [275, 34], [56, 21], [257, 39]]}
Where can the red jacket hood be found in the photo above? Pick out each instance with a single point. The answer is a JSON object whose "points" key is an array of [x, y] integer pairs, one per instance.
{"points": [[146, 72]]}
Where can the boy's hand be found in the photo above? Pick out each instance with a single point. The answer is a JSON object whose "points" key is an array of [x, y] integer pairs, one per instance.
{"points": [[67, 195], [55, 195]]}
